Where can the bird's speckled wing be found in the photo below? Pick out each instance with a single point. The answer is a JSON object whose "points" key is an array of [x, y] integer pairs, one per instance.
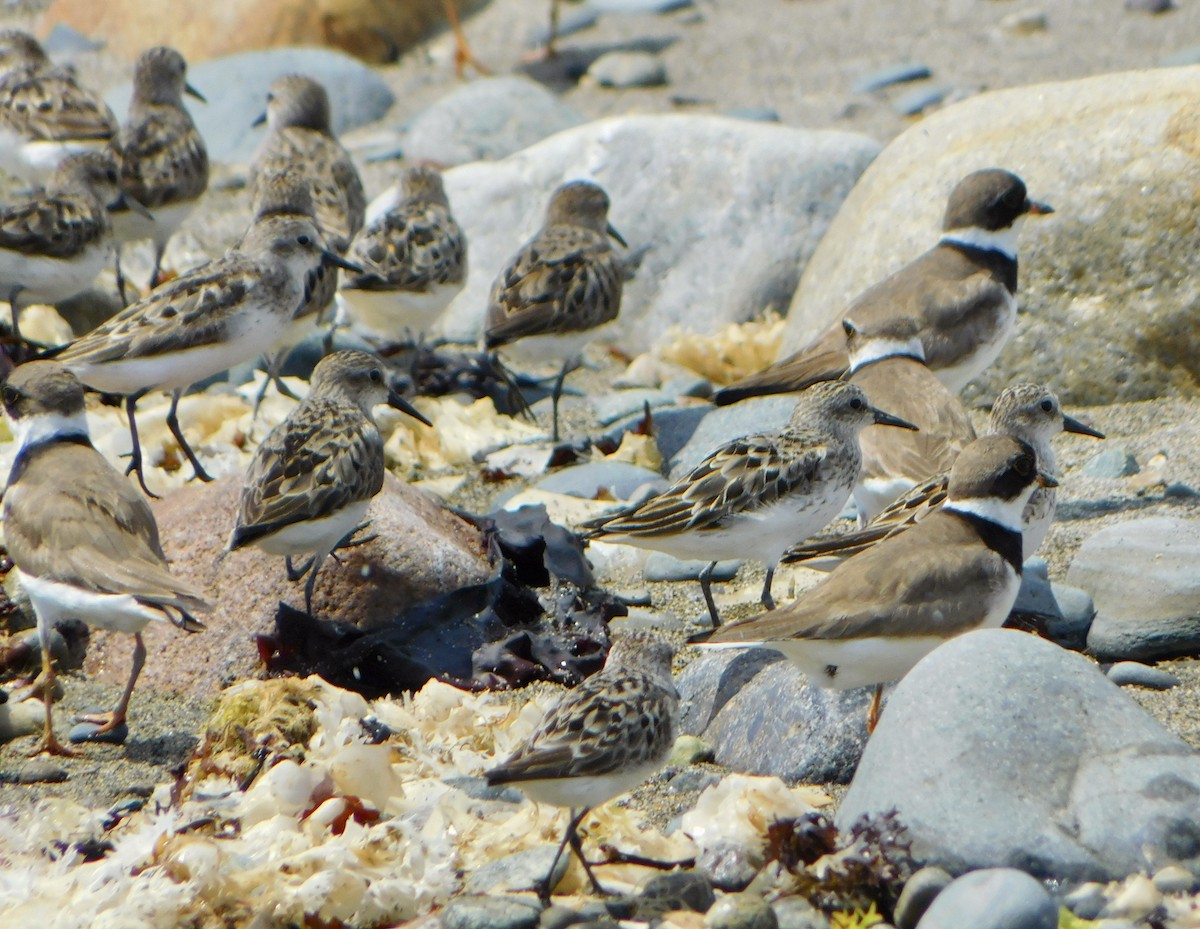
{"points": [[741, 476], [47, 104], [412, 248], [566, 280], [604, 725], [53, 226], [163, 158], [323, 457]]}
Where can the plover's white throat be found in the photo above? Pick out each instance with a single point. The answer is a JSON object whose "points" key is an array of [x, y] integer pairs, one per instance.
{"points": [[887, 361], [881, 611], [45, 115], [601, 739], [315, 474], [414, 259], [752, 497], [300, 136], [202, 323], [1029, 412], [84, 539], [164, 162], [962, 292], [564, 285]]}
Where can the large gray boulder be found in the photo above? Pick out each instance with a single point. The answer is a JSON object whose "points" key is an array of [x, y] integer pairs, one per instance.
{"points": [[1004, 750], [728, 211], [1116, 155], [1143, 580]]}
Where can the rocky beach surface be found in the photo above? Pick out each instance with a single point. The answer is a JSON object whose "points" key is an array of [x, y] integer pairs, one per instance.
{"points": [[765, 161]]}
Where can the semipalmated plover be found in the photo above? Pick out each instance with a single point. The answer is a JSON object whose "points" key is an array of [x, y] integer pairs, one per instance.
{"points": [[752, 497], [314, 475], [300, 135], [414, 259], [887, 360], [45, 115], [164, 162], [962, 291], [879, 613], [603, 738], [564, 285], [84, 539], [1029, 412], [202, 323]]}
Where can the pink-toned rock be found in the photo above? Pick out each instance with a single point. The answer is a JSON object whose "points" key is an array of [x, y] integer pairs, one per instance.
{"points": [[421, 550], [374, 30]]}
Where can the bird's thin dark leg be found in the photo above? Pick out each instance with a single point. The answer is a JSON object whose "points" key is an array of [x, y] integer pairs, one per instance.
{"points": [[198, 471], [567, 367], [547, 884], [136, 465], [294, 574], [767, 600], [577, 848], [310, 586], [705, 579], [156, 274], [18, 347], [120, 278], [348, 540], [874, 709]]}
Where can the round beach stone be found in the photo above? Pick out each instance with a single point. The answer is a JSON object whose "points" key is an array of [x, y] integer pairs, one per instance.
{"points": [[919, 892], [1136, 674], [498, 912], [995, 898], [741, 911]]}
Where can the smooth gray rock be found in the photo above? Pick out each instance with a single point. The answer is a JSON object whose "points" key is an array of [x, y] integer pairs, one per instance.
{"points": [[610, 407], [1028, 758], [921, 99], [741, 911], [798, 913], [1064, 612], [487, 119], [628, 69], [726, 423], [919, 892], [765, 219], [1136, 674], [1111, 463], [1185, 56], [662, 567], [1087, 900], [683, 890], [674, 426], [759, 114], [762, 716], [499, 912], [895, 74], [524, 870], [1142, 576], [618, 478], [236, 88], [1086, 147], [996, 898]]}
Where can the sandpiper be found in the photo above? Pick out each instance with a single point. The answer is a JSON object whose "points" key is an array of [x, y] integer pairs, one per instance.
{"points": [[754, 496], [84, 539], [603, 738]]}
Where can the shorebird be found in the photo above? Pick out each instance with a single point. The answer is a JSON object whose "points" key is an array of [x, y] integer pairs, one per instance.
{"points": [[962, 291], [414, 259], [45, 115], [754, 496], [1029, 412], [879, 613], [201, 323], [564, 285], [84, 540], [313, 477], [603, 738], [164, 162]]}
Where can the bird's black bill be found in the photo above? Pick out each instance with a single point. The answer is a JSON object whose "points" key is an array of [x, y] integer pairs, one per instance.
{"points": [[125, 202], [612, 232], [1045, 480], [335, 259], [193, 92], [398, 402], [1070, 424], [1035, 208], [260, 120], [887, 419]]}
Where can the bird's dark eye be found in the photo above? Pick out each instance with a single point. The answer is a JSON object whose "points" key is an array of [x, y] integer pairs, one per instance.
{"points": [[10, 395], [304, 240], [376, 376], [856, 403], [1047, 405], [1023, 465]]}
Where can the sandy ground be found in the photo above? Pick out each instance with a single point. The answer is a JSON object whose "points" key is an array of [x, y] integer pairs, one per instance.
{"points": [[800, 58]]}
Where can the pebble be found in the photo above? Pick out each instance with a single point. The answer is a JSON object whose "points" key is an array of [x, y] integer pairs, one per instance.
{"points": [[477, 788], [38, 771], [798, 913], [663, 567], [1174, 879], [21, 719], [87, 732], [918, 101], [619, 479], [1149, 6], [691, 779], [523, 870], [919, 892], [1025, 22], [1111, 463], [1141, 575], [1087, 900], [650, 620], [679, 890], [741, 911], [758, 114], [1136, 674], [608, 408], [994, 898], [690, 749], [896, 74], [481, 912], [694, 386], [727, 866], [628, 69], [1064, 612]]}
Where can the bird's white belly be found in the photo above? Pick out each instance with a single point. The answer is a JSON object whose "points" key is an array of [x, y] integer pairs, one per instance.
{"points": [[55, 600], [387, 314], [131, 226], [556, 347], [315, 535], [35, 161], [589, 791], [49, 280], [873, 495]]}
